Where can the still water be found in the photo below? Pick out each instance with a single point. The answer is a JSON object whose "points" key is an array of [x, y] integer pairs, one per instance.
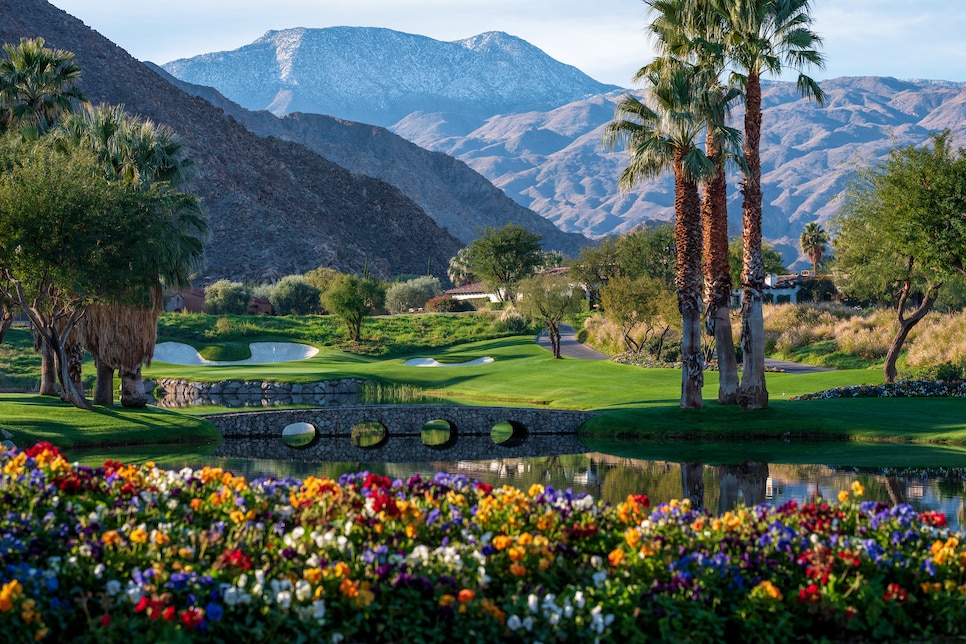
{"points": [[715, 476]]}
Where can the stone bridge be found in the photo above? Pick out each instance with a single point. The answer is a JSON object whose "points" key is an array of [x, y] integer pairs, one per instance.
{"points": [[535, 432]]}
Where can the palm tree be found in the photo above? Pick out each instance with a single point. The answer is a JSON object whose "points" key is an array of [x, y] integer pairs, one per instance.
{"points": [[36, 86], [686, 29], [814, 242], [459, 272], [761, 37], [120, 334], [661, 139]]}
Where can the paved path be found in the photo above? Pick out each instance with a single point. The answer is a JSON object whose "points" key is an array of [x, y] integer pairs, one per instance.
{"points": [[570, 347]]}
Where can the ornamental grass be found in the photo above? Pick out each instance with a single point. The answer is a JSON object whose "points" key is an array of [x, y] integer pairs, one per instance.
{"points": [[123, 552]]}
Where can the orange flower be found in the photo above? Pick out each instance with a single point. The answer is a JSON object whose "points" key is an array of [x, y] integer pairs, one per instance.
{"points": [[518, 570], [615, 557], [501, 542], [348, 588], [465, 595], [517, 553], [447, 600], [111, 538], [196, 503], [138, 535], [312, 575]]}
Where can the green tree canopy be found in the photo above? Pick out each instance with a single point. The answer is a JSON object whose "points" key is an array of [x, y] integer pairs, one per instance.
{"points": [[295, 295], [594, 266], [412, 294], [902, 233], [226, 297], [771, 260], [638, 307], [504, 256], [351, 298], [649, 251]]}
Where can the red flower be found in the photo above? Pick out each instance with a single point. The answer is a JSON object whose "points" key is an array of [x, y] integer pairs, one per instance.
{"points": [[642, 500], [387, 504], [192, 617], [169, 613], [486, 488], [895, 592], [238, 559], [106, 620], [376, 481], [810, 595], [40, 448], [936, 519], [141, 605]]}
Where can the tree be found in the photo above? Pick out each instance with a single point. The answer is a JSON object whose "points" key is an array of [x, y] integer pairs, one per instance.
{"points": [[814, 242], [412, 294], [771, 260], [459, 272], [141, 154], [634, 303], [295, 295], [37, 86], [648, 251], [686, 30], [502, 257], [761, 37], [549, 298], [902, 234], [226, 297], [594, 266], [351, 298], [70, 237], [661, 139]]}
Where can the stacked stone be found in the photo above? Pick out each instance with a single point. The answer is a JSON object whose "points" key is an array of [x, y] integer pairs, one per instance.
{"points": [[174, 392]]}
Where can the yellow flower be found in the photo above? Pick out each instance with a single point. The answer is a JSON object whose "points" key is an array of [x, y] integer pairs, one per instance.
{"points": [[8, 593], [236, 516], [767, 589], [365, 596], [447, 600], [536, 490], [341, 569], [525, 539], [843, 496], [517, 553], [632, 536], [615, 557], [500, 542], [312, 575], [138, 535], [111, 538], [857, 488]]}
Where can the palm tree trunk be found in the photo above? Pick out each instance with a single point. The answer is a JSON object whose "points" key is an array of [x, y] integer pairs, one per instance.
{"points": [[752, 393], [692, 484], [717, 276], [104, 386], [687, 238], [132, 389]]}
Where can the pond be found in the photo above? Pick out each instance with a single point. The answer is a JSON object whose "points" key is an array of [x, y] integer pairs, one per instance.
{"points": [[715, 476]]}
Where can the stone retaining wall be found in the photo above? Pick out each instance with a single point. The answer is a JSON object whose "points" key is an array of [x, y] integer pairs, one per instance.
{"points": [[173, 392], [399, 420]]}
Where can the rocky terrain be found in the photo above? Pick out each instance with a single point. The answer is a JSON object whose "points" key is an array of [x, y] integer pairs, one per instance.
{"points": [[275, 207]]}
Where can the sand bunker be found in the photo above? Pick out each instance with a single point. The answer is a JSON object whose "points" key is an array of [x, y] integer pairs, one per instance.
{"points": [[430, 362], [262, 353]]}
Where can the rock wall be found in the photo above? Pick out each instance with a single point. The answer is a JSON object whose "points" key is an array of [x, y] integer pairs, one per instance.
{"points": [[257, 393]]}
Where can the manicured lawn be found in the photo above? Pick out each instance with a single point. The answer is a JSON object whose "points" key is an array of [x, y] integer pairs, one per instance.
{"points": [[40, 418]]}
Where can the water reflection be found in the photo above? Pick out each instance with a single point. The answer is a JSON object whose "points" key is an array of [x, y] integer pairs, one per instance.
{"points": [[715, 486]]}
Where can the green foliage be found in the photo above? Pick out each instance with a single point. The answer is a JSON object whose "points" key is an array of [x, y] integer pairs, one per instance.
{"points": [[444, 304], [321, 277], [639, 307], [771, 260], [902, 221], [502, 257], [295, 295], [412, 294], [547, 299], [352, 298], [649, 252], [594, 266], [227, 297]]}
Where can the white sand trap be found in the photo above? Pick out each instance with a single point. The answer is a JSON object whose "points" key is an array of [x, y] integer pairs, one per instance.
{"points": [[430, 362], [262, 353]]}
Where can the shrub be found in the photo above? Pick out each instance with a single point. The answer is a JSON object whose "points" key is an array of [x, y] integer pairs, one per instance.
{"points": [[444, 304], [510, 320], [294, 295], [413, 294], [226, 297]]}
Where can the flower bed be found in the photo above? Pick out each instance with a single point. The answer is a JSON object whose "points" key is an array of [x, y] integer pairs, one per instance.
{"points": [[125, 551], [902, 389]]}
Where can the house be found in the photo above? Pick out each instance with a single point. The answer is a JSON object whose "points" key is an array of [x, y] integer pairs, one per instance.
{"points": [[779, 289], [472, 291], [190, 300]]}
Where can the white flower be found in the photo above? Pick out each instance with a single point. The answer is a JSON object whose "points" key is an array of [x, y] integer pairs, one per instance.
{"points": [[134, 593], [596, 561], [303, 590], [337, 638], [231, 596], [172, 504], [528, 623], [513, 623], [99, 570], [113, 587], [284, 599], [599, 578], [317, 610], [579, 599], [532, 602]]}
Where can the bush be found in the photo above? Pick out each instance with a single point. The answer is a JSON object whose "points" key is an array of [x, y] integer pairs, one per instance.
{"points": [[413, 294], [294, 295], [445, 304], [225, 297], [510, 321]]}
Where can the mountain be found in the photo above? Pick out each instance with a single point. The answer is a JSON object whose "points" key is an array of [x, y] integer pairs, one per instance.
{"points": [[275, 207], [554, 162], [543, 149], [380, 76], [455, 196]]}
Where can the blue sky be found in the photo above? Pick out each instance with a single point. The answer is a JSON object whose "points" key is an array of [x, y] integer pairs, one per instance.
{"points": [[603, 38]]}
